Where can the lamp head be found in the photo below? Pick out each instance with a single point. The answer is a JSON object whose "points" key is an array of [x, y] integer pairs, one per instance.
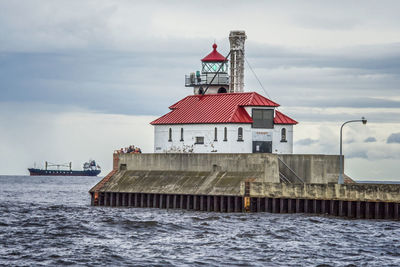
{"points": [[364, 120]]}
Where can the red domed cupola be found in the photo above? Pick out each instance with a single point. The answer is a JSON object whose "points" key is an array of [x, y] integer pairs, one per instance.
{"points": [[214, 56]]}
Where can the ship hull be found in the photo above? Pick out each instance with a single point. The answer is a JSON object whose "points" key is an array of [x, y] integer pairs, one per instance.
{"points": [[39, 172]]}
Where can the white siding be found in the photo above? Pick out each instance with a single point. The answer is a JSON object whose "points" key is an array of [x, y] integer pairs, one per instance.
{"points": [[282, 147], [191, 131], [232, 145]]}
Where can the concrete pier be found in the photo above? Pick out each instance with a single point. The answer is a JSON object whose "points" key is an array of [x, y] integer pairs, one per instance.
{"points": [[240, 183]]}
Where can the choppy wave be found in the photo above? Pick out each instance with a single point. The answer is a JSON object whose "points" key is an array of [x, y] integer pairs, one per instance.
{"points": [[48, 221]]}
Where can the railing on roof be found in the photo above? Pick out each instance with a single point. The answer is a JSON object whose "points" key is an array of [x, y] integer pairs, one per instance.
{"points": [[194, 79]]}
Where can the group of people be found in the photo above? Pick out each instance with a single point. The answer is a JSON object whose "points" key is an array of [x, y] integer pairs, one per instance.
{"points": [[130, 150]]}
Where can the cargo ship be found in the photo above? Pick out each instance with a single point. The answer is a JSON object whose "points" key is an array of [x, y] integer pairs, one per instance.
{"points": [[90, 168]]}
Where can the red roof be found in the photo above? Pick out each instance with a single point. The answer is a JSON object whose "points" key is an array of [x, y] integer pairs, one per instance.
{"points": [[214, 56], [281, 118], [218, 108]]}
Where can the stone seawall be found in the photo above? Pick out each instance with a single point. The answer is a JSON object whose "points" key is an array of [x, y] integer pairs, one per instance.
{"points": [[265, 165]]}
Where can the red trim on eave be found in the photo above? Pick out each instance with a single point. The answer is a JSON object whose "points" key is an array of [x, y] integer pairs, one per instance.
{"points": [[281, 118]]}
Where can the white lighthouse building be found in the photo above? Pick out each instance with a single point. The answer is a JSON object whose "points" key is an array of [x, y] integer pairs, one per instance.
{"points": [[220, 117]]}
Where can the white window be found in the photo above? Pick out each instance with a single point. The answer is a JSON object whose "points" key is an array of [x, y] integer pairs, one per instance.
{"points": [[240, 134], [170, 135], [225, 134], [181, 134], [283, 135], [199, 140]]}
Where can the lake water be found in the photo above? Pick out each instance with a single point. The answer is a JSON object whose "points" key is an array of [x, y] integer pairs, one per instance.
{"points": [[48, 221]]}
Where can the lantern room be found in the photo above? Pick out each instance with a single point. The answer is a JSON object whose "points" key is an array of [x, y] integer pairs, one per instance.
{"points": [[213, 77], [214, 62]]}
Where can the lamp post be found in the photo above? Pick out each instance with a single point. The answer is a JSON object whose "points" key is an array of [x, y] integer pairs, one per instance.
{"points": [[364, 121]]}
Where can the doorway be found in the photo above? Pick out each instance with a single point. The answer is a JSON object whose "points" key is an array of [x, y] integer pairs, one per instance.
{"points": [[262, 146]]}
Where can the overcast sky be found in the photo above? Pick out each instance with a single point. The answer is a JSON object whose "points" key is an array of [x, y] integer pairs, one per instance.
{"points": [[81, 78]]}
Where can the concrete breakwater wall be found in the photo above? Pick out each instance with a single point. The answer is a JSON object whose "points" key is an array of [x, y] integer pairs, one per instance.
{"points": [[242, 182], [310, 168]]}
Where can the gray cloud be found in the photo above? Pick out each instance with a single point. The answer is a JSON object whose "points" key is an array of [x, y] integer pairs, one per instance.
{"points": [[357, 154], [91, 55], [370, 140], [106, 82], [121, 82], [393, 138], [306, 142], [353, 102], [340, 115]]}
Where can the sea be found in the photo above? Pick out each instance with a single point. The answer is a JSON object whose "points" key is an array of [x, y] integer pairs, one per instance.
{"points": [[49, 221]]}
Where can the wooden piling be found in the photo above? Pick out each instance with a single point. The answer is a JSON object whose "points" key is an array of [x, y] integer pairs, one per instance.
{"points": [[350, 209], [275, 205], [290, 205], [201, 206], [332, 207], [216, 206], [112, 203], [298, 208], [367, 210], [377, 211], [222, 208], [136, 200], [174, 199], [101, 199], [156, 200], [161, 201], [306, 206], [358, 210], [124, 199], [195, 202], [322, 206], [181, 202], [341, 208], [236, 204], [168, 201], [188, 197], [129, 200], [228, 204], [142, 200], [148, 200], [281, 205], [386, 211]]}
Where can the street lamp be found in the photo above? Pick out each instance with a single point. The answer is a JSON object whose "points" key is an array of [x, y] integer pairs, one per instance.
{"points": [[364, 121]]}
